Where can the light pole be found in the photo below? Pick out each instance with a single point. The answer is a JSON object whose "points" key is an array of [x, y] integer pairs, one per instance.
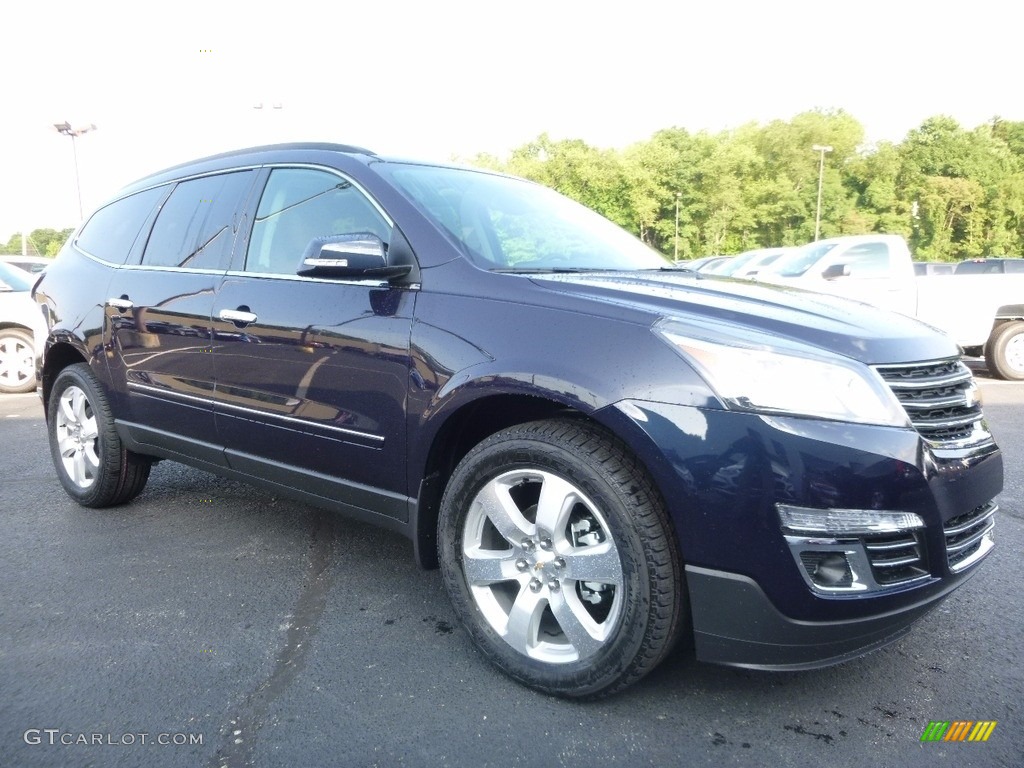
{"points": [[821, 149], [675, 249], [66, 129]]}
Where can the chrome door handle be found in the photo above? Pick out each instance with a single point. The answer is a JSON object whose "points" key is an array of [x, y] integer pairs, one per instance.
{"points": [[120, 305], [237, 316]]}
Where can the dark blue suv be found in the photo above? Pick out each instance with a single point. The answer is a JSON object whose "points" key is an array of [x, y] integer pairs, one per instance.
{"points": [[603, 454]]}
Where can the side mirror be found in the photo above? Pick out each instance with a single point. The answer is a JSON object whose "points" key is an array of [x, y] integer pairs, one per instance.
{"points": [[356, 256], [836, 270]]}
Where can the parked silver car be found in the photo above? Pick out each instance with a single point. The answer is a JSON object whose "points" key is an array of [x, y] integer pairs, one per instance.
{"points": [[21, 331]]}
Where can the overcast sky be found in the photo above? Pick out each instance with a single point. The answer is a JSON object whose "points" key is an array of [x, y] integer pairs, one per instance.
{"points": [[443, 78]]}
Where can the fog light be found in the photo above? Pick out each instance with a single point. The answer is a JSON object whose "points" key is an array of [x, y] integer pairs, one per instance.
{"points": [[828, 569]]}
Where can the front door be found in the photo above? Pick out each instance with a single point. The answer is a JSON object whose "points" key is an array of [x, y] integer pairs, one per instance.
{"points": [[312, 374]]}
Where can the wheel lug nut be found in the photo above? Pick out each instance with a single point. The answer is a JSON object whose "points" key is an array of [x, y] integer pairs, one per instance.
{"points": [[545, 544], [535, 585], [521, 564], [558, 562], [553, 585], [528, 545]]}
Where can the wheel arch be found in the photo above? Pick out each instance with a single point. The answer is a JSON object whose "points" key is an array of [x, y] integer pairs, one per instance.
{"points": [[478, 419], [58, 357], [1009, 312], [463, 428]]}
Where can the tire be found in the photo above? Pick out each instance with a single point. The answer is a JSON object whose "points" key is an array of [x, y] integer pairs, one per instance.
{"points": [[526, 513], [17, 361], [1004, 352], [93, 465]]}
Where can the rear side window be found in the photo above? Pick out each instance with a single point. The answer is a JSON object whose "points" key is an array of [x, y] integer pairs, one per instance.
{"points": [[300, 204], [196, 226], [112, 230]]}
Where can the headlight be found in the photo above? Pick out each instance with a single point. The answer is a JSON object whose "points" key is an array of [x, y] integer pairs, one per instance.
{"points": [[752, 378]]}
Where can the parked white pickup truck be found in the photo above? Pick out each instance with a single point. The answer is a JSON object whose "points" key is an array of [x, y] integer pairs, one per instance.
{"points": [[984, 314]]}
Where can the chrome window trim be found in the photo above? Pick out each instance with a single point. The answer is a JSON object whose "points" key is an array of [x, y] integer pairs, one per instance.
{"points": [[95, 258], [152, 391], [367, 283], [336, 172], [156, 268]]}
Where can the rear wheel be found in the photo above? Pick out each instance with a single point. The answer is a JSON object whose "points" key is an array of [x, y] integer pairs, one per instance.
{"points": [[17, 361], [93, 465], [560, 560], [1004, 352]]}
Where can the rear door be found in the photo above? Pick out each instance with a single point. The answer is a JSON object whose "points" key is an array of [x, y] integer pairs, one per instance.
{"points": [[312, 374], [160, 309]]}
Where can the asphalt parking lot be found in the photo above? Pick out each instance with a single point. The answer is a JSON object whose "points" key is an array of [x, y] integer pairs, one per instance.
{"points": [[211, 624]]}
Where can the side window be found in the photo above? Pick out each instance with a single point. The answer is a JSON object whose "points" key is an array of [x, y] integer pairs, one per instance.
{"points": [[867, 260], [196, 226], [112, 230], [300, 204]]}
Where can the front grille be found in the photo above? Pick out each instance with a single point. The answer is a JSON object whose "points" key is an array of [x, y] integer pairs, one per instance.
{"points": [[940, 397], [895, 558], [969, 536]]}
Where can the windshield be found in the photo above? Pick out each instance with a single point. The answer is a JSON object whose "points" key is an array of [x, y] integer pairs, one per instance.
{"points": [[508, 224], [799, 261], [16, 279]]}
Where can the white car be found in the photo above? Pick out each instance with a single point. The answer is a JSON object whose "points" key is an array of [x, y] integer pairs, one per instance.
{"points": [[32, 264], [22, 331]]}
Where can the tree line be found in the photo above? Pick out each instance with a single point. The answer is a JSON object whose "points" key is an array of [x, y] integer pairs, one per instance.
{"points": [[954, 193], [40, 242]]}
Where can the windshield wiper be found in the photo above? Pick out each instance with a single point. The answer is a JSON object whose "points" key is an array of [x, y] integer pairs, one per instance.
{"points": [[554, 270]]}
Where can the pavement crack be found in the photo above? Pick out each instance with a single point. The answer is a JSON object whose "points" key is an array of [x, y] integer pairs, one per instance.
{"points": [[236, 749]]}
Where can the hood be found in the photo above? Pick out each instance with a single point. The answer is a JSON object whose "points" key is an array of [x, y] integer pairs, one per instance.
{"points": [[718, 309]]}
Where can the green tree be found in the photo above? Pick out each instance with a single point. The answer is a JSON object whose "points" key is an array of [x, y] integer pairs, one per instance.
{"points": [[41, 242]]}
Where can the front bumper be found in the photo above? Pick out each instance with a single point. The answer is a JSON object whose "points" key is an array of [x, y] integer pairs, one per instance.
{"points": [[751, 632], [722, 475]]}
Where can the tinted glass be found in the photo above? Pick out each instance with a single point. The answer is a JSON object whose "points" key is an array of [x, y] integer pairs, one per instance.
{"points": [[298, 205], [196, 226], [509, 224], [112, 230]]}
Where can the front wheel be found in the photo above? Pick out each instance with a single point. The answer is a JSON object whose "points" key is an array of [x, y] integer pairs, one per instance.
{"points": [[93, 465], [560, 559], [1004, 352]]}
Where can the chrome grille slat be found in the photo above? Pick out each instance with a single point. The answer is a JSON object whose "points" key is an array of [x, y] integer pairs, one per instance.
{"points": [[895, 558], [933, 382], [970, 541], [956, 530], [875, 547], [969, 536], [961, 421], [932, 404], [939, 398]]}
